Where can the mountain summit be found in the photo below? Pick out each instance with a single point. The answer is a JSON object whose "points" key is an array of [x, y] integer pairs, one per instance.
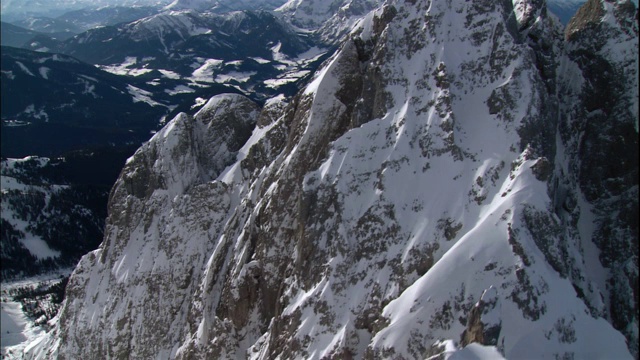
{"points": [[221, 6], [190, 5], [459, 178], [330, 19]]}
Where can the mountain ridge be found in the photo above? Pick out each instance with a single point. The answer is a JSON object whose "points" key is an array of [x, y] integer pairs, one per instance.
{"points": [[422, 195]]}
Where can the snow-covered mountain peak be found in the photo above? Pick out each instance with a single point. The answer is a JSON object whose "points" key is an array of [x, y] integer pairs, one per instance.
{"points": [[330, 18], [203, 151], [191, 5], [184, 22], [223, 6], [422, 196]]}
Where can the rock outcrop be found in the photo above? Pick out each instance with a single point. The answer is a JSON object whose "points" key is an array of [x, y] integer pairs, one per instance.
{"points": [[597, 184]]}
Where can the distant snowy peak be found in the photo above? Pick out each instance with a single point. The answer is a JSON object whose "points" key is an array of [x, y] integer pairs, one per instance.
{"points": [[190, 5], [184, 23], [330, 18], [15, 10], [307, 14], [222, 6], [235, 5]]}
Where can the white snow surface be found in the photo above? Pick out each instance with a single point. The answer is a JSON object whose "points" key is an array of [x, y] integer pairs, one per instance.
{"points": [[14, 324], [206, 71], [24, 68], [476, 351], [140, 95], [234, 76], [44, 72], [312, 14], [169, 74], [125, 68], [17, 329], [180, 89]]}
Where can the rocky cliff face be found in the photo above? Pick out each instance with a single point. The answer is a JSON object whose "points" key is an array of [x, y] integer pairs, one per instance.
{"points": [[597, 186], [439, 182]]}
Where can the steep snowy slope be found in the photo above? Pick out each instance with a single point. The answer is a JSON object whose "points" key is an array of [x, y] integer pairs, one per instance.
{"points": [[404, 205]]}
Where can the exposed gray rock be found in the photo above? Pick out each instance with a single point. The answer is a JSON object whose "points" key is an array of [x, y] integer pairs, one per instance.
{"points": [[484, 323], [599, 128]]}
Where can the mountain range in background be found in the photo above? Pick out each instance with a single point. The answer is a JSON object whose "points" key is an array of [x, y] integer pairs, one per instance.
{"points": [[13, 10], [53, 103], [35, 13]]}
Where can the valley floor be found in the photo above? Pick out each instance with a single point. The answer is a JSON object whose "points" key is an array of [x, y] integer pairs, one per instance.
{"points": [[17, 328]]}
